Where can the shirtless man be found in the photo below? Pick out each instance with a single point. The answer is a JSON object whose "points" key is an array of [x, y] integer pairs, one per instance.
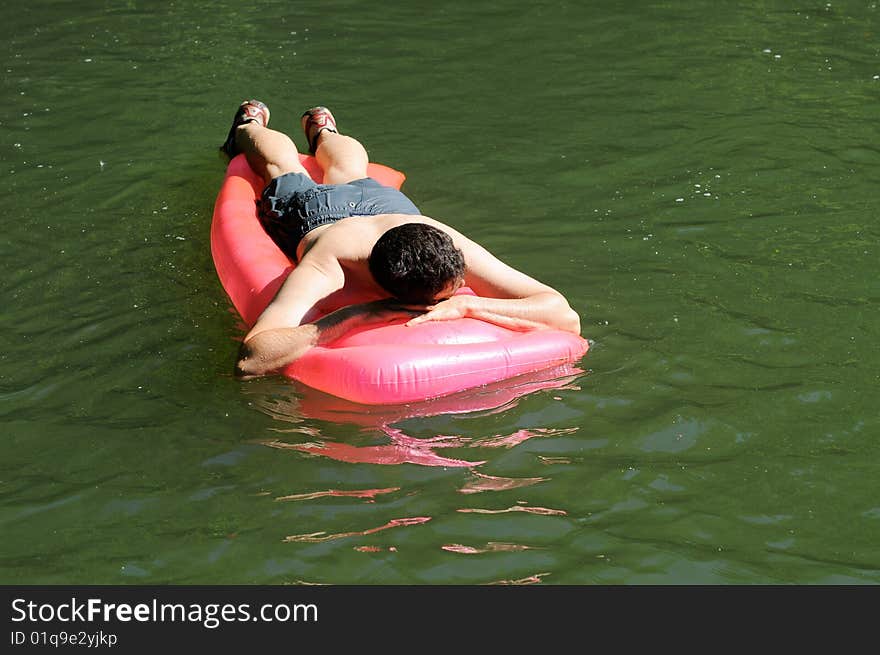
{"points": [[353, 238]]}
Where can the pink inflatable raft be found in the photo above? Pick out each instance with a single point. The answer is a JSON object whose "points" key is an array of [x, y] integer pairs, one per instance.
{"points": [[379, 365]]}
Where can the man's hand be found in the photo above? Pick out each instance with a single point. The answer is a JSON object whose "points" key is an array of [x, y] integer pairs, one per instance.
{"points": [[446, 310], [270, 350], [541, 311]]}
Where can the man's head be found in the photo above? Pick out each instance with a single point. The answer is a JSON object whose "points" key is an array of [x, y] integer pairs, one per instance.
{"points": [[417, 263]]}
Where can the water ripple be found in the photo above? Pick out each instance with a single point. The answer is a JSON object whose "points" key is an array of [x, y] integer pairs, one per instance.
{"points": [[318, 537]]}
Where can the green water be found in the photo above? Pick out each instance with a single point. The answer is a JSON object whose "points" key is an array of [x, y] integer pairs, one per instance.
{"points": [[699, 179]]}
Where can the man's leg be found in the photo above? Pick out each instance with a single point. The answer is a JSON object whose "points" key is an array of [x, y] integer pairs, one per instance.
{"points": [[269, 153], [341, 157]]}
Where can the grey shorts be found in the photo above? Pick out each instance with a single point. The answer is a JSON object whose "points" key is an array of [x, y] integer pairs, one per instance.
{"points": [[292, 205]]}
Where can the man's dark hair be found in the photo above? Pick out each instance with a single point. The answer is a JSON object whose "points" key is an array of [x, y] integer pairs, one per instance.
{"points": [[414, 262]]}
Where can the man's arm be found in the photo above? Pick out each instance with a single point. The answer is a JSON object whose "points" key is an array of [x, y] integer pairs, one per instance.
{"points": [[274, 348], [505, 296], [278, 337]]}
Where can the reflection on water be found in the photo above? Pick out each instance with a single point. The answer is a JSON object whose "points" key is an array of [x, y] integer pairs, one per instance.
{"points": [[532, 579], [277, 399], [306, 411], [405, 449], [481, 482], [368, 494], [491, 547], [544, 511], [317, 537], [402, 450], [300, 409]]}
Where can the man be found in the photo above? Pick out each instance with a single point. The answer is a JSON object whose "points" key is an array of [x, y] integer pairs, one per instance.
{"points": [[353, 238]]}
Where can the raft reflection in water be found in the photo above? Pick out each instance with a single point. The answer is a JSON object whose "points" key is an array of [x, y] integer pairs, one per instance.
{"points": [[401, 448], [304, 409]]}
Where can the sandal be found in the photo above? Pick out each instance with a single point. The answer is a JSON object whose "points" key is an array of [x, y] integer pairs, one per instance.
{"points": [[314, 121], [248, 111]]}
